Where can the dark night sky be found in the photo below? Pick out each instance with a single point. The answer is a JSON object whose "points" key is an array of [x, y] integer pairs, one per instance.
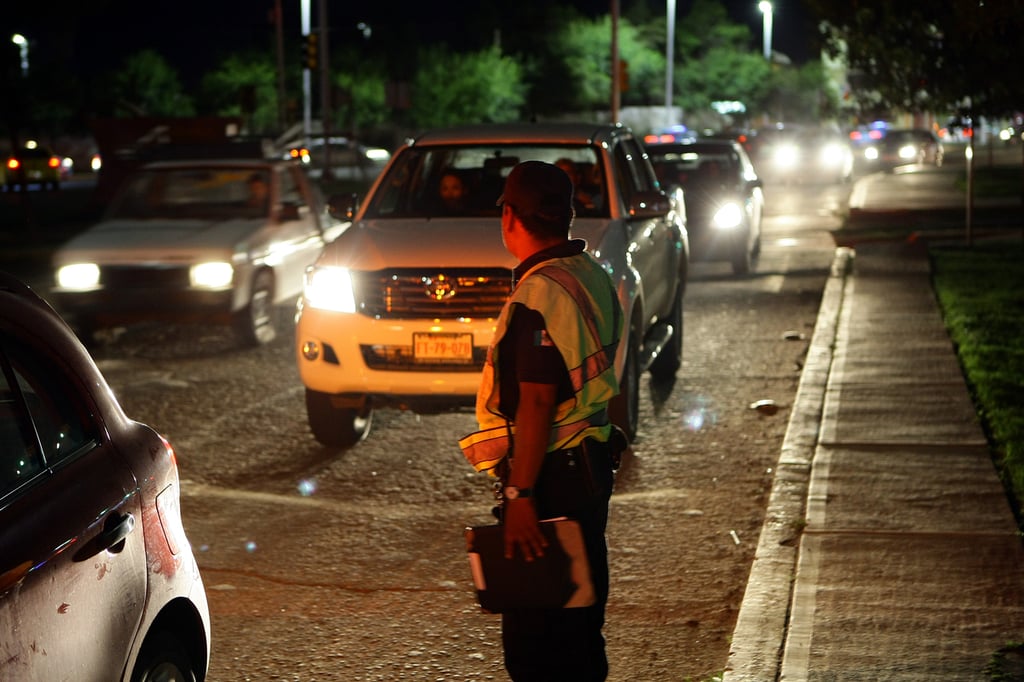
{"points": [[92, 36]]}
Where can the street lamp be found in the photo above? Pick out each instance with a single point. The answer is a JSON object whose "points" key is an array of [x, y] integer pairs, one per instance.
{"points": [[22, 43], [766, 10]]}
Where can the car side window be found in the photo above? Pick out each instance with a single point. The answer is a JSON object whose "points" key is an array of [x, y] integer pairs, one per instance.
{"points": [[290, 193], [41, 422], [635, 174]]}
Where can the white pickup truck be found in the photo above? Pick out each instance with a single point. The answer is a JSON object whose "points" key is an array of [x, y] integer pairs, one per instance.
{"points": [[399, 310]]}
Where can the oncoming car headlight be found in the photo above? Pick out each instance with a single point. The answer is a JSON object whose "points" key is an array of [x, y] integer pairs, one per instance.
{"points": [[871, 153], [728, 216], [80, 276], [330, 288], [786, 155], [908, 151], [831, 154], [216, 275]]}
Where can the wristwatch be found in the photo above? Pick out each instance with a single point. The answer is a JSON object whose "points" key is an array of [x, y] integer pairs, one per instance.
{"points": [[513, 493]]}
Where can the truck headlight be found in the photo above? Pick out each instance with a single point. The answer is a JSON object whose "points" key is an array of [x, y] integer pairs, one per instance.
{"points": [[78, 276], [214, 275], [330, 288]]}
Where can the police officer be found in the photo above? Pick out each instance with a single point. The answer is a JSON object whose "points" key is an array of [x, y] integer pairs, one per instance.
{"points": [[542, 409]]}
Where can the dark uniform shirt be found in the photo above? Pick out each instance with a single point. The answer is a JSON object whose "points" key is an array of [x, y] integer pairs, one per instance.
{"points": [[526, 353]]}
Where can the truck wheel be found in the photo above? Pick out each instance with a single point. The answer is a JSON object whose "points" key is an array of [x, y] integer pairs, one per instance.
{"points": [[670, 359], [624, 408], [254, 323], [336, 427]]}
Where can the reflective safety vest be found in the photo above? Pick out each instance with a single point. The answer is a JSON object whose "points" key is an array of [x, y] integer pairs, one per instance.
{"points": [[584, 320]]}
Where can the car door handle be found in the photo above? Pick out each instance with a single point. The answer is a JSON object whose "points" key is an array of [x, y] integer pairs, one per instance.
{"points": [[116, 531]]}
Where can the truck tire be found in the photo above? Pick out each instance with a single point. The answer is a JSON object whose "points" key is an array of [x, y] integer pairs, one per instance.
{"points": [[336, 427]]}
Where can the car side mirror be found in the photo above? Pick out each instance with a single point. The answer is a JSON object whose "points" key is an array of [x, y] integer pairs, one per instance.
{"points": [[343, 206], [648, 204]]}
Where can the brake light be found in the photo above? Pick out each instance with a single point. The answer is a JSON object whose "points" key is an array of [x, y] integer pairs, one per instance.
{"points": [[13, 164], [54, 162]]}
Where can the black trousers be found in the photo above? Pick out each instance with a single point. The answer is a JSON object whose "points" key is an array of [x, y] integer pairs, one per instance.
{"points": [[566, 645]]}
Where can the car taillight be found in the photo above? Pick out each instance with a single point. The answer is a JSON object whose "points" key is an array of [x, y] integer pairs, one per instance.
{"points": [[13, 164], [54, 162]]}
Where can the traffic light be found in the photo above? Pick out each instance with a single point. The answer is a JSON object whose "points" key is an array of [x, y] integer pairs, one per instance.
{"points": [[310, 51]]}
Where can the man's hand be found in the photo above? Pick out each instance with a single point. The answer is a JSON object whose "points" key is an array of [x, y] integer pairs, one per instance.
{"points": [[522, 530]]}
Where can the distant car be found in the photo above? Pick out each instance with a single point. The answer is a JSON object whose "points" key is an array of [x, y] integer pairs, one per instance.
{"points": [[349, 160], [723, 196], [902, 146], [197, 240], [806, 154], [33, 165], [97, 577], [400, 310]]}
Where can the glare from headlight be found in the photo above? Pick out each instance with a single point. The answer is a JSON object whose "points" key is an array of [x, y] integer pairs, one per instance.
{"points": [[728, 216], [78, 276], [377, 154], [215, 275], [330, 289], [871, 153], [831, 154], [786, 155], [908, 151]]}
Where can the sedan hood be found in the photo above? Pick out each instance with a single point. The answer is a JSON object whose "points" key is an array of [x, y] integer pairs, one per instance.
{"points": [[125, 241]]}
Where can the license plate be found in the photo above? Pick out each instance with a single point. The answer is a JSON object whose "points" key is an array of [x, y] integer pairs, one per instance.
{"points": [[442, 347]]}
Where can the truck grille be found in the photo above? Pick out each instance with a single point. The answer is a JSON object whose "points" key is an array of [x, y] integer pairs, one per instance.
{"points": [[433, 294]]}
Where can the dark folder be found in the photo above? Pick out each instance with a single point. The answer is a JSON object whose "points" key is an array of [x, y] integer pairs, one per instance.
{"points": [[559, 579]]}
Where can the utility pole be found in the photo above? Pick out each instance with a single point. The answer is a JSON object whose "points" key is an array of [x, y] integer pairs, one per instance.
{"points": [[325, 88], [279, 34], [307, 111], [616, 92]]}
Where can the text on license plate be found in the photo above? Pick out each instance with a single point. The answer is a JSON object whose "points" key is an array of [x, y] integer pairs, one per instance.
{"points": [[451, 347]]}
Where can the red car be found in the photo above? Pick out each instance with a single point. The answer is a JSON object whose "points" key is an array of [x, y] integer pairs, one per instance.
{"points": [[97, 578]]}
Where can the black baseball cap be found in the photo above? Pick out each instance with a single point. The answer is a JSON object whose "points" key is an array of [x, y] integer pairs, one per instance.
{"points": [[538, 188]]}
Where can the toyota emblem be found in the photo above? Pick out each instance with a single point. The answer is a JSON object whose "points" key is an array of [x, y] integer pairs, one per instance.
{"points": [[439, 287]]}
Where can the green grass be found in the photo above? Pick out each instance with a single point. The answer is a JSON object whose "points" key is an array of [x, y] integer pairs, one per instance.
{"points": [[981, 294]]}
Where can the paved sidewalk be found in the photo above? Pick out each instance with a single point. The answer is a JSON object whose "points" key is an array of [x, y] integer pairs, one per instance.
{"points": [[889, 550]]}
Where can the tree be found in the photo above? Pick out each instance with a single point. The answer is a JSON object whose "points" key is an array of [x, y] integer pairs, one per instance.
{"points": [[479, 87], [244, 85], [146, 85], [360, 88], [927, 56], [584, 48], [718, 62]]}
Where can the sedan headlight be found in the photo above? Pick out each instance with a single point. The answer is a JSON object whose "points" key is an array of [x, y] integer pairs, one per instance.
{"points": [[215, 275], [330, 288], [728, 216], [78, 276], [786, 155], [831, 155], [908, 151], [871, 153]]}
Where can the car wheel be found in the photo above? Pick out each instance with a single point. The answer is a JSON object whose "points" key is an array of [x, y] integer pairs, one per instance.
{"points": [[337, 427], [163, 658], [255, 322], [624, 408], [670, 359]]}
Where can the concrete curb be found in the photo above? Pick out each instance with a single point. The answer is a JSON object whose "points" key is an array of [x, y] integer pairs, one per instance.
{"points": [[760, 632]]}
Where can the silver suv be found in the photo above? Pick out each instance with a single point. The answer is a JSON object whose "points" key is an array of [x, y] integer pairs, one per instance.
{"points": [[400, 309]]}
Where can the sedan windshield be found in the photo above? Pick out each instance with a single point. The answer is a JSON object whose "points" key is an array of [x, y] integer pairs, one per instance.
{"points": [[193, 193], [428, 182]]}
